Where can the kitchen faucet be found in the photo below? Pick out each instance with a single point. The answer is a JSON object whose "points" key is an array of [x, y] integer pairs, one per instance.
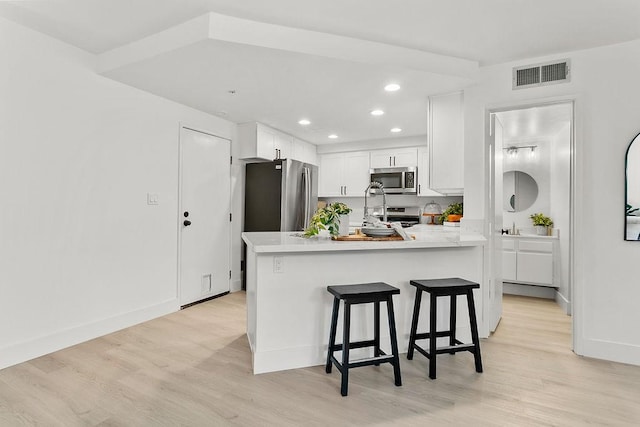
{"points": [[378, 185]]}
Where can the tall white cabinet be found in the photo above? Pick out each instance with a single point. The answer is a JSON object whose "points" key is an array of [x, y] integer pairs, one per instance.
{"points": [[446, 143]]}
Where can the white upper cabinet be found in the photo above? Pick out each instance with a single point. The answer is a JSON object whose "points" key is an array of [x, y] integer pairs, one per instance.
{"points": [[424, 189], [304, 151], [399, 157], [446, 142], [258, 141], [343, 174]]}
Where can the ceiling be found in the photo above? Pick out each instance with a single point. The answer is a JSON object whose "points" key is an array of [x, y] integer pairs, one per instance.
{"points": [[534, 123], [278, 61]]}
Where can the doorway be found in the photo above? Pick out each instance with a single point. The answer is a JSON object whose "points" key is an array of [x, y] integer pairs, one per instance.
{"points": [[204, 230], [531, 161]]}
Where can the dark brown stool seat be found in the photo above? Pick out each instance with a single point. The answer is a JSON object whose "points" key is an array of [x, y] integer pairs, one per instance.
{"points": [[360, 294], [451, 287]]}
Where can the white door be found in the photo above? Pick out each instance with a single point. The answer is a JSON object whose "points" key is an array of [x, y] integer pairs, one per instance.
{"points": [[204, 221], [495, 222]]}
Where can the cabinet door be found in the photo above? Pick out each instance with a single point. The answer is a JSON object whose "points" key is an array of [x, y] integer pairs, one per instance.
{"points": [[381, 159], [446, 141], [405, 157], [423, 174], [535, 267], [304, 151], [355, 173], [330, 175], [509, 266], [265, 143], [283, 145]]}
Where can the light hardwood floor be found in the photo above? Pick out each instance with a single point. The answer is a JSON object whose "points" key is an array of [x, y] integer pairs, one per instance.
{"points": [[193, 368]]}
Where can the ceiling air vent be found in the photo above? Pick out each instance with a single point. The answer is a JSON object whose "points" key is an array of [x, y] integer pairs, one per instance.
{"points": [[541, 74]]}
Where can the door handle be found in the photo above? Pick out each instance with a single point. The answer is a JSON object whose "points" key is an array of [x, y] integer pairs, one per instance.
{"points": [[187, 223]]}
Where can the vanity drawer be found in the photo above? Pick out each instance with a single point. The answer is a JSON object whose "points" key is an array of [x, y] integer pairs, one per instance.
{"points": [[533, 246], [508, 244]]}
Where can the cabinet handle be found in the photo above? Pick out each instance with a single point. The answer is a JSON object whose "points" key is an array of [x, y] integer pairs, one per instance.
{"points": [[390, 161], [419, 189], [345, 190], [394, 160]]}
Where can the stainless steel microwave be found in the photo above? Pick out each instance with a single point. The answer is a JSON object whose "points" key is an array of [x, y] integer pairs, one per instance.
{"points": [[396, 180]]}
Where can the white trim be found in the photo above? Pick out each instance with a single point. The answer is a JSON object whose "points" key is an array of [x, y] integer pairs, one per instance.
{"points": [[576, 160], [20, 352]]}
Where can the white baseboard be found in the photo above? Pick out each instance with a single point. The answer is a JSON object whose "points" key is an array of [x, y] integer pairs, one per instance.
{"points": [[24, 351], [528, 290], [563, 302], [235, 286], [610, 351]]}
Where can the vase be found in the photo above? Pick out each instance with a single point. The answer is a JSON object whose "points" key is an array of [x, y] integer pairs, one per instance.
{"points": [[343, 229], [541, 230]]}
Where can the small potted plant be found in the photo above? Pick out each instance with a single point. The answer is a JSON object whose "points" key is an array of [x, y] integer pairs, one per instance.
{"points": [[453, 213], [333, 218], [541, 223]]}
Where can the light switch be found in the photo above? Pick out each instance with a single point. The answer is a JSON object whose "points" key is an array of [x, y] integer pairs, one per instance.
{"points": [[152, 198]]}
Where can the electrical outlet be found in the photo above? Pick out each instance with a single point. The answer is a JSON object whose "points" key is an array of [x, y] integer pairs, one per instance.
{"points": [[278, 264], [152, 198]]}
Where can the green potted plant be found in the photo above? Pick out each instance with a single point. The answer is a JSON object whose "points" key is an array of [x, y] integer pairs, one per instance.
{"points": [[334, 218], [630, 210], [453, 213], [541, 223]]}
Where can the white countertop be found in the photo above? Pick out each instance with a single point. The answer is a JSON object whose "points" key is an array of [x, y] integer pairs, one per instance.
{"points": [[426, 236]]}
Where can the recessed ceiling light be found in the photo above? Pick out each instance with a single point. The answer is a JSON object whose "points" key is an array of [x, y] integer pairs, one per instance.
{"points": [[396, 130], [304, 122], [377, 112], [333, 136], [392, 87]]}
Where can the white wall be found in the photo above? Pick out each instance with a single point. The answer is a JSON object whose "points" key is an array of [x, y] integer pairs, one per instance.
{"points": [[605, 85], [81, 252]]}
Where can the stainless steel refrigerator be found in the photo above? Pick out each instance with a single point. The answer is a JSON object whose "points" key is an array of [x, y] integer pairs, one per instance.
{"points": [[280, 195]]}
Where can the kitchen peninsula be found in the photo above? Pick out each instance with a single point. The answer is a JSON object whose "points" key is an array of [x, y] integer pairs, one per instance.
{"points": [[289, 308]]}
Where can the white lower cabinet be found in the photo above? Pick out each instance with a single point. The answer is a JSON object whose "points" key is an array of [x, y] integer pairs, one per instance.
{"points": [[527, 261]]}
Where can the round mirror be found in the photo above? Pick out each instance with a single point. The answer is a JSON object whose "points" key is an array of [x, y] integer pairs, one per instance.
{"points": [[632, 193], [520, 191]]}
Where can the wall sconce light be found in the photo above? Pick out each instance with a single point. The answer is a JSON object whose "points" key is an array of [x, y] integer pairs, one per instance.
{"points": [[512, 150]]}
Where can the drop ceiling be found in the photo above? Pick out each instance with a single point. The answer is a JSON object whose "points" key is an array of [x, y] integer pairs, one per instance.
{"points": [[326, 61]]}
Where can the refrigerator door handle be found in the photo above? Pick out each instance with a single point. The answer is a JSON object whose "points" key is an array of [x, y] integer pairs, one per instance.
{"points": [[306, 178]]}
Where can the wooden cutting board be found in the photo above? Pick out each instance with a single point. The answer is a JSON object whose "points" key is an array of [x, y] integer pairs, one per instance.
{"points": [[365, 238]]}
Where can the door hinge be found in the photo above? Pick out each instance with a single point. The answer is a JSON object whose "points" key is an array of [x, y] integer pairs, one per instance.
{"points": [[229, 274], [230, 160], [230, 217]]}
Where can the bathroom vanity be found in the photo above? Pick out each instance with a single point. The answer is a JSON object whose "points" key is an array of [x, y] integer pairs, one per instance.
{"points": [[528, 259]]}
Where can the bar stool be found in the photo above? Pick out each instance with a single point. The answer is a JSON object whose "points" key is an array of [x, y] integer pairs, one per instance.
{"points": [[451, 287], [360, 294]]}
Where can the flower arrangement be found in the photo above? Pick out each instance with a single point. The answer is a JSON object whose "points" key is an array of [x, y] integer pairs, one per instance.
{"points": [[327, 218]]}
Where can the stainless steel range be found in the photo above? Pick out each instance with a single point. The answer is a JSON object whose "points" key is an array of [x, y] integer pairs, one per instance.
{"points": [[407, 215]]}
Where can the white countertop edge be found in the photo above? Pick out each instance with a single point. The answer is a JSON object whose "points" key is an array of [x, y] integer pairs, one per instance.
{"points": [[529, 236], [300, 245]]}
